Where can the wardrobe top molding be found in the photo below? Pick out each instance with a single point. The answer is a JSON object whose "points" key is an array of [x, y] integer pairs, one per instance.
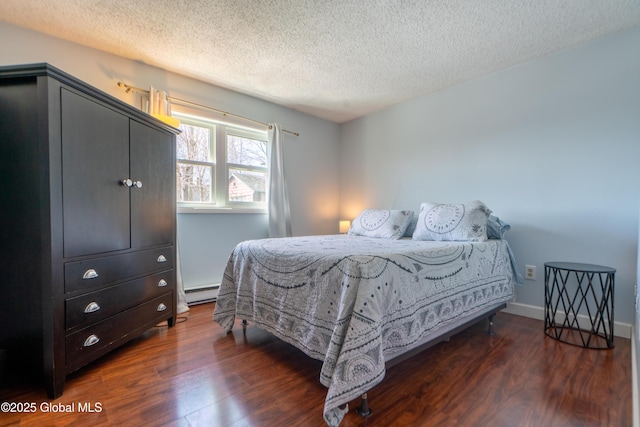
{"points": [[48, 70]]}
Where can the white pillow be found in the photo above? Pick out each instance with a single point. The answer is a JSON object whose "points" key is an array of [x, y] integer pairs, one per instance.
{"points": [[385, 224], [461, 222]]}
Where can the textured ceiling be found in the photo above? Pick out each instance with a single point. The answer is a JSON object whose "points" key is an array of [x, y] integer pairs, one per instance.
{"points": [[336, 59]]}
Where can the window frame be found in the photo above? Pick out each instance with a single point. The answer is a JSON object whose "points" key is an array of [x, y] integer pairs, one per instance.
{"points": [[220, 202]]}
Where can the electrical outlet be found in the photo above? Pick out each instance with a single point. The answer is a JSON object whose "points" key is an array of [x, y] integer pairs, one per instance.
{"points": [[530, 272]]}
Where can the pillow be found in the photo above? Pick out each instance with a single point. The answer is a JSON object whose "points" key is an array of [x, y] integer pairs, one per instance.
{"points": [[412, 226], [496, 228], [385, 224], [461, 222]]}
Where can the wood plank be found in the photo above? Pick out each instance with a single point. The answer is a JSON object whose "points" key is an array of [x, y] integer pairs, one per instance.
{"points": [[196, 375]]}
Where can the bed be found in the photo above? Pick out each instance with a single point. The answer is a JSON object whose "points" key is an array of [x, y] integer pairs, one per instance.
{"points": [[357, 302]]}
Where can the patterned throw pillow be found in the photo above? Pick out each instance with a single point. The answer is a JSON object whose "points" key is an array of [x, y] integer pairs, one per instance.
{"points": [[460, 222], [385, 224]]}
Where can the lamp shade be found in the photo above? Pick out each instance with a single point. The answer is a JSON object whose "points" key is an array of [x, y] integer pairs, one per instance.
{"points": [[344, 226]]}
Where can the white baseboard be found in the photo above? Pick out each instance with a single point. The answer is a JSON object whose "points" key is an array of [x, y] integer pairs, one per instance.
{"points": [[622, 330]]}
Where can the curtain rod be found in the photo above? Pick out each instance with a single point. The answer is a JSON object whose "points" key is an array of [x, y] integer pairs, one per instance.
{"points": [[129, 88]]}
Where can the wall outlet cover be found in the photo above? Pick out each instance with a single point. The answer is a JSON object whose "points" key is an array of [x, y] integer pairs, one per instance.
{"points": [[530, 272]]}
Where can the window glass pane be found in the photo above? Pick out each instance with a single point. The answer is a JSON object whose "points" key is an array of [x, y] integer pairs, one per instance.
{"points": [[194, 183], [193, 143], [247, 186], [246, 151]]}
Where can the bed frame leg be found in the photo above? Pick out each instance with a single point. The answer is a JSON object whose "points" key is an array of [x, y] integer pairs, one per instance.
{"points": [[491, 332], [244, 324], [364, 409]]}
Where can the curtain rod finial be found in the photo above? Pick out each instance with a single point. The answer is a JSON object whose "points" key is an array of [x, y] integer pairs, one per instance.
{"points": [[127, 87]]}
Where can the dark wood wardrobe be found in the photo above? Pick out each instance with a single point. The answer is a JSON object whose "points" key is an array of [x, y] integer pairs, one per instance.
{"points": [[88, 223]]}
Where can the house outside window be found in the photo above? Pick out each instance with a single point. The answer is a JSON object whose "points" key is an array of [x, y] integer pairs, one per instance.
{"points": [[220, 166]]}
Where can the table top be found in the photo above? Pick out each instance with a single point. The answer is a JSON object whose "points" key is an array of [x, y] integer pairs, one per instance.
{"points": [[576, 266]]}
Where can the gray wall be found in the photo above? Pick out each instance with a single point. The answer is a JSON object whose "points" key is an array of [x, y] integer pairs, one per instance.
{"points": [[207, 239], [551, 146]]}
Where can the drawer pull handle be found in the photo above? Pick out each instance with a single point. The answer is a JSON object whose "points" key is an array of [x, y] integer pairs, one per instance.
{"points": [[91, 307], [90, 274], [91, 340], [162, 283], [162, 307], [161, 258]]}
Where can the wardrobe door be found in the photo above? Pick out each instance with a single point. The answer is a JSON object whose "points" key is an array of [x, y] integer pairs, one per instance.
{"points": [[95, 156], [153, 170]]}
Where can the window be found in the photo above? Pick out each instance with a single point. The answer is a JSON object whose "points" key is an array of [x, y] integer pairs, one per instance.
{"points": [[220, 166], [195, 169]]}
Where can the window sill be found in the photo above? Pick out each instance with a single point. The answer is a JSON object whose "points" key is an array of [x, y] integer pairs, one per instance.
{"points": [[213, 210]]}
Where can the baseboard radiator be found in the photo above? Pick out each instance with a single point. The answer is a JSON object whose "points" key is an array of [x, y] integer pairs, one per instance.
{"points": [[202, 294]]}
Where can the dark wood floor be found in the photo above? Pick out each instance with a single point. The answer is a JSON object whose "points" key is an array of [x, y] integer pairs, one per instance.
{"points": [[195, 375]]}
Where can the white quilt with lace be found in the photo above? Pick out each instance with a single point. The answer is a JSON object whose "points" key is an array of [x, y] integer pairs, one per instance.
{"points": [[354, 302]]}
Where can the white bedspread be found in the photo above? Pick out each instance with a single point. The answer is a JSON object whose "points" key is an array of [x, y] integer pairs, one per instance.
{"points": [[354, 302]]}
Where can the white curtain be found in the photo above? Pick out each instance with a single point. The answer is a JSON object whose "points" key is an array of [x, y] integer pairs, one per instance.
{"points": [[160, 107], [159, 104], [182, 297], [279, 214]]}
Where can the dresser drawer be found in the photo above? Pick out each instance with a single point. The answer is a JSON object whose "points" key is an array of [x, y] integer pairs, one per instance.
{"points": [[104, 271], [92, 307], [88, 343]]}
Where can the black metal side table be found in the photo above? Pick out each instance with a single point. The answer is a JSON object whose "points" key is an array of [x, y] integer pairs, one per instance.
{"points": [[578, 301]]}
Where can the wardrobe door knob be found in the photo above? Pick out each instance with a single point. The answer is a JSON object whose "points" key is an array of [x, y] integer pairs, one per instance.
{"points": [[126, 182]]}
